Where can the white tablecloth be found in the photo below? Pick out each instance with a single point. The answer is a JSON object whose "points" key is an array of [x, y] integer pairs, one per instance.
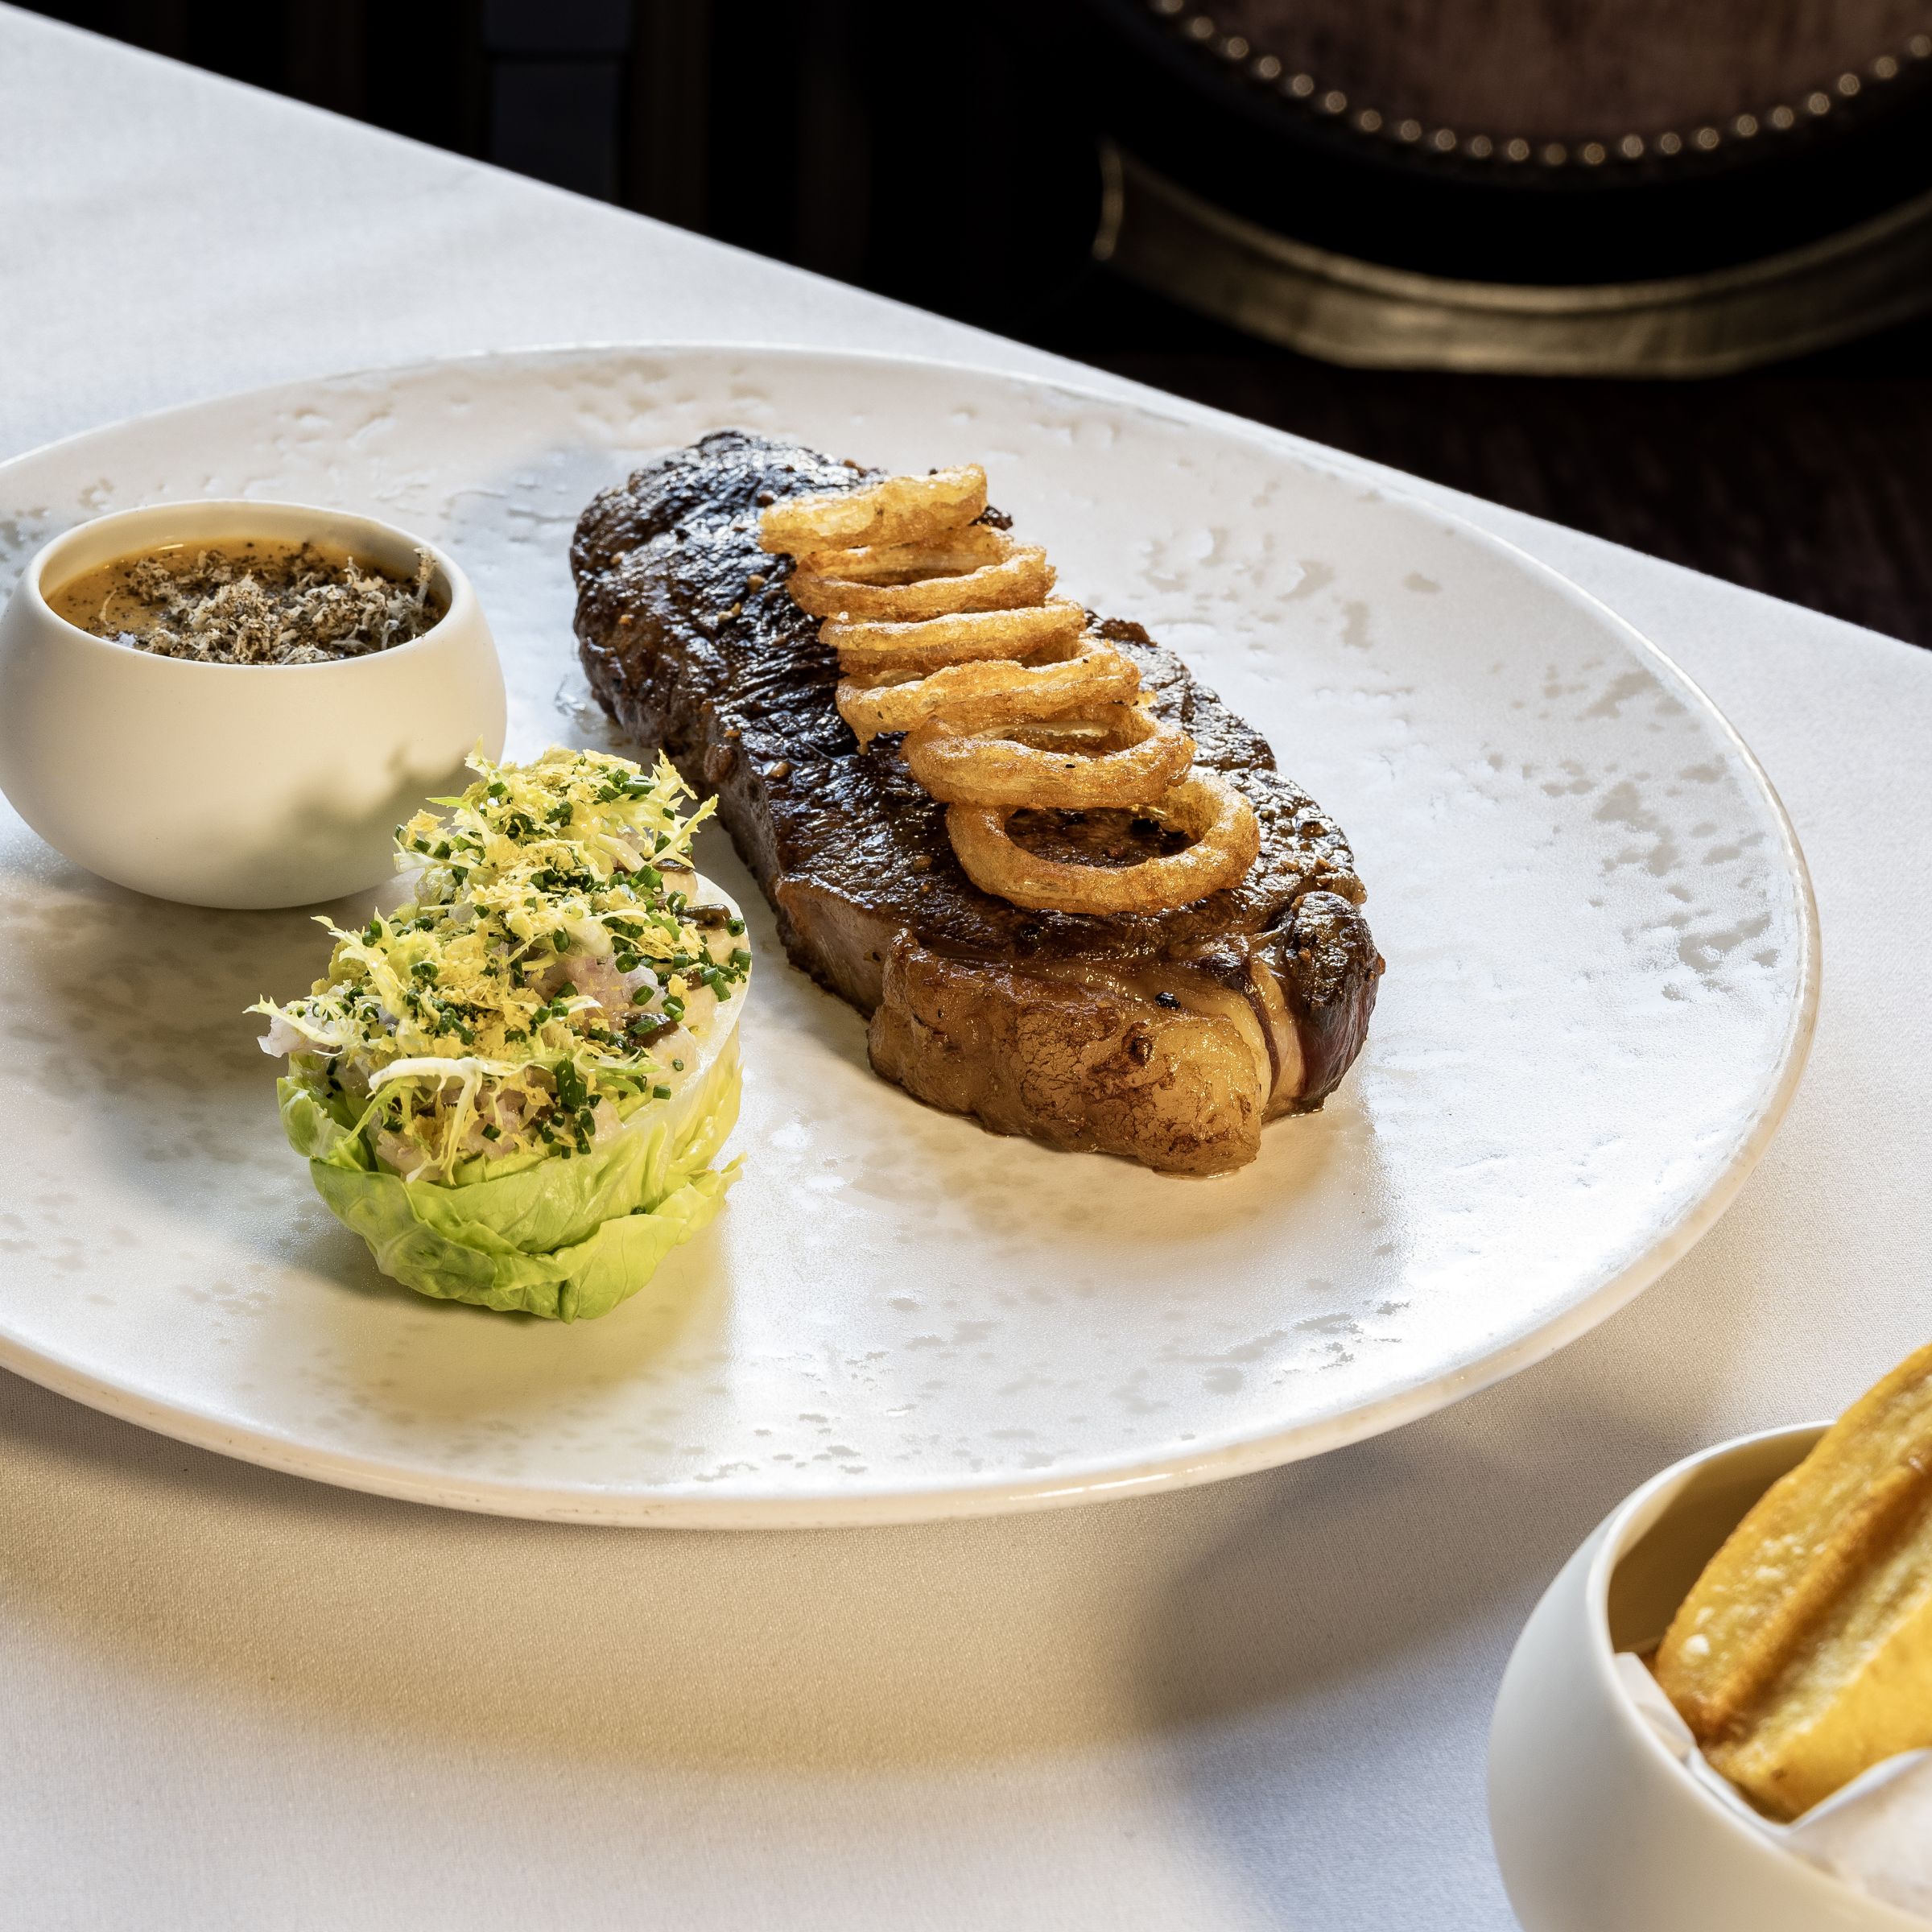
{"points": [[230, 1699]]}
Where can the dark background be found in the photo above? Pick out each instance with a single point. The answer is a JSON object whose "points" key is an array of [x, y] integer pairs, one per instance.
{"points": [[946, 154]]}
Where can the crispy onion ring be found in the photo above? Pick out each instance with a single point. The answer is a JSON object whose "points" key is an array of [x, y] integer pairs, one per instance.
{"points": [[1015, 582], [1227, 841], [901, 510], [1119, 755], [864, 645], [991, 691], [943, 556]]}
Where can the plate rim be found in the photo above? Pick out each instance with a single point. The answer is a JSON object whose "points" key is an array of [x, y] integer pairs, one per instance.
{"points": [[685, 1507]]}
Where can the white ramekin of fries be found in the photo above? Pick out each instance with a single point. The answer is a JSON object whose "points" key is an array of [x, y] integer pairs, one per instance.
{"points": [[1717, 1720]]}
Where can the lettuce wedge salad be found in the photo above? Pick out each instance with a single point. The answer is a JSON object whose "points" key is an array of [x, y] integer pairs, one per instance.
{"points": [[513, 1086]]}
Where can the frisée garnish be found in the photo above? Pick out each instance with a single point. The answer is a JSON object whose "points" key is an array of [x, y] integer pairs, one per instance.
{"points": [[551, 974]]}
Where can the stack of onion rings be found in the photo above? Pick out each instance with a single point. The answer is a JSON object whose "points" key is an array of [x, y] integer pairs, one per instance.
{"points": [[946, 630]]}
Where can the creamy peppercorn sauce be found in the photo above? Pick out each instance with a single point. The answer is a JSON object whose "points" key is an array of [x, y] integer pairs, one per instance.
{"points": [[251, 601]]}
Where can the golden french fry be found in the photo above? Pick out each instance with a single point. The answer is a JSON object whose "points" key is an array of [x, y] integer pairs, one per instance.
{"points": [[1803, 1654]]}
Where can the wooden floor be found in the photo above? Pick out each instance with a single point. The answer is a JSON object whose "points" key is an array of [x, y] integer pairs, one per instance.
{"points": [[1812, 482]]}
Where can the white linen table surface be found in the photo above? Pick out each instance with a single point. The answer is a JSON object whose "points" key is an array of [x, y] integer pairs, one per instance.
{"points": [[233, 1698]]}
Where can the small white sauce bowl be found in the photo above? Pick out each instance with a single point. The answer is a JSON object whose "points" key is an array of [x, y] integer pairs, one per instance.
{"points": [[1597, 1827], [236, 785]]}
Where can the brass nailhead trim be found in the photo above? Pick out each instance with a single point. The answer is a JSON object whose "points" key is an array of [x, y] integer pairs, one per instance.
{"points": [[1267, 71]]}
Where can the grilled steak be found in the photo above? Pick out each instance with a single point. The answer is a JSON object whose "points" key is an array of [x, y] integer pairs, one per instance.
{"points": [[1169, 1038]]}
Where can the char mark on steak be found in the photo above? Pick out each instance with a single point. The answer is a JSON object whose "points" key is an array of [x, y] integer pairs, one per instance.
{"points": [[1168, 1038]]}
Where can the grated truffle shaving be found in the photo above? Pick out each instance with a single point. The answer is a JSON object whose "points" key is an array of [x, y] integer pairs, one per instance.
{"points": [[296, 607]]}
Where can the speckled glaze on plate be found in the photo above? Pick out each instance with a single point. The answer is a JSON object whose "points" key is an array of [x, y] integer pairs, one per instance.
{"points": [[1602, 977]]}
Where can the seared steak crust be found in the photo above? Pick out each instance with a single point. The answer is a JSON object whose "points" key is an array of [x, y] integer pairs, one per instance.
{"points": [[1168, 1037]]}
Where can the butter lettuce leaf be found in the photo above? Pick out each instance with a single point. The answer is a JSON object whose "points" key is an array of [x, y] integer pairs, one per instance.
{"points": [[566, 1239]]}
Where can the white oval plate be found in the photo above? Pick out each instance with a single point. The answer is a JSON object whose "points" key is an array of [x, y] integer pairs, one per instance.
{"points": [[1602, 975]]}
